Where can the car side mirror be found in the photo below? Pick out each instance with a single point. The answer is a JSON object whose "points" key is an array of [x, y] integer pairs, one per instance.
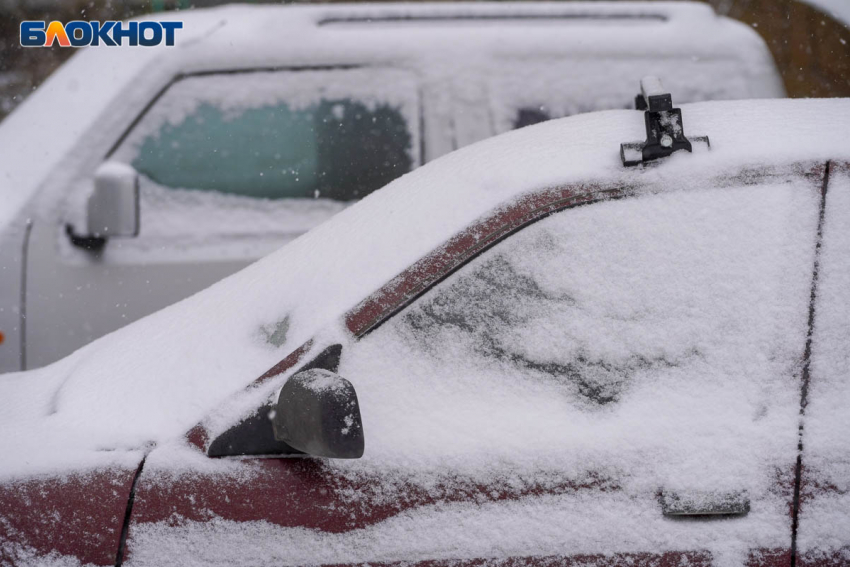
{"points": [[113, 208], [317, 412]]}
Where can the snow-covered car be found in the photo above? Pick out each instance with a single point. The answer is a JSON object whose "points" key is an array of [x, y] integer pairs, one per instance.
{"points": [[549, 358], [135, 177]]}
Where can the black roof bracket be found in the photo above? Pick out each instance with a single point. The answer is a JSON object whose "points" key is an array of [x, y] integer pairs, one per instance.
{"points": [[665, 132]]}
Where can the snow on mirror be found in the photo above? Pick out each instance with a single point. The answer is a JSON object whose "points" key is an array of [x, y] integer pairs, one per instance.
{"points": [[267, 155], [317, 413], [644, 344]]}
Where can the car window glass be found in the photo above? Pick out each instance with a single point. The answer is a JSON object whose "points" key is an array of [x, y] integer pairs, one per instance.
{"points": [[271, 153], [657, 336], [531, 116], [338, 149], [527, 92]]}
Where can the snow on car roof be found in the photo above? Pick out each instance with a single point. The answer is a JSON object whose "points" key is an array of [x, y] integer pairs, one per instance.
{"points": [[279, 36], [154, 379]]}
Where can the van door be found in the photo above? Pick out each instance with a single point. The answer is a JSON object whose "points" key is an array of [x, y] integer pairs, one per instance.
{"points": [[231, 166], [12, 273]]}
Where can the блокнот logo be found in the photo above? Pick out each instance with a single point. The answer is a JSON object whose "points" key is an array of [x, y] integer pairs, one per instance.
{"points": [[79, 33]]}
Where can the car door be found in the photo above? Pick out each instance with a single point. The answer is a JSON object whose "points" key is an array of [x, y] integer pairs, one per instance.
{"points": [[73, 517], [589, 376], [231, 166], [823, 534]]}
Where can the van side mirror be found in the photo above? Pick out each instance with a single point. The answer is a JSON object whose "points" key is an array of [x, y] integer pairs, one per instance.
{"points": [[317, 412], [113, 208]]}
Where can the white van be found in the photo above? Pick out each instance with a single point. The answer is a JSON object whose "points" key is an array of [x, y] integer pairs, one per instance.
{"points": [[135, 177]]}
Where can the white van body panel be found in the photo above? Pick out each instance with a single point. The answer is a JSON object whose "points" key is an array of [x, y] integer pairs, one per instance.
{"points": [[475, 66]]}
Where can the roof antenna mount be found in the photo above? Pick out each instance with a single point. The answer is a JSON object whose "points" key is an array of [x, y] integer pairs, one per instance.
{"points": [[665, 133]]}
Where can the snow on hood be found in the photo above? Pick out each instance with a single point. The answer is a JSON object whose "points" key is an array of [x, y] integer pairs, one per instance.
{"points": [[153, 380]]}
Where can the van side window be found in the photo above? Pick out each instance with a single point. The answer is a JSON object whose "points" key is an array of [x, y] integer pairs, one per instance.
{"points": [[530, 117], [276, 135], [339, 149]]}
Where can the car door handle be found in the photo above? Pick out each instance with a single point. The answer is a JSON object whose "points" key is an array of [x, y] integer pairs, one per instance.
{"points": [[677, 503]]}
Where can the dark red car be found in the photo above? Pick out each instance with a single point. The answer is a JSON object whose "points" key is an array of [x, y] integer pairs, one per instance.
{"points": [[557, 360]]}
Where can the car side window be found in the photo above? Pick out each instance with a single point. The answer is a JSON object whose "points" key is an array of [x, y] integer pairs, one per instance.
{"points": [[277, 135], [337, 149], [589, 301], [250, 160], [652, 326]]}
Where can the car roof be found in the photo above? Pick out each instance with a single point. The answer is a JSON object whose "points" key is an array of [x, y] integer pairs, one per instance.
{"points": [[157, 377], [98, 83]]}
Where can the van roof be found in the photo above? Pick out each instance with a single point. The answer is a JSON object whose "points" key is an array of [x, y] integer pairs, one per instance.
{"points": [[444, 39], [346, 32]]}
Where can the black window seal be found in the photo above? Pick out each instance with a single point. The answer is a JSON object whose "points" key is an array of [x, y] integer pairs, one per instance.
{"points": [[284, 68], [412, 18]]}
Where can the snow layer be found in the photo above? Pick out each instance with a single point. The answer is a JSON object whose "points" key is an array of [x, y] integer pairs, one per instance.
{"points": [[153, 380], [22, 555], [646, 344], [652, 342], [653, 339], [825, 516], [549, 525], [222, 227]]}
